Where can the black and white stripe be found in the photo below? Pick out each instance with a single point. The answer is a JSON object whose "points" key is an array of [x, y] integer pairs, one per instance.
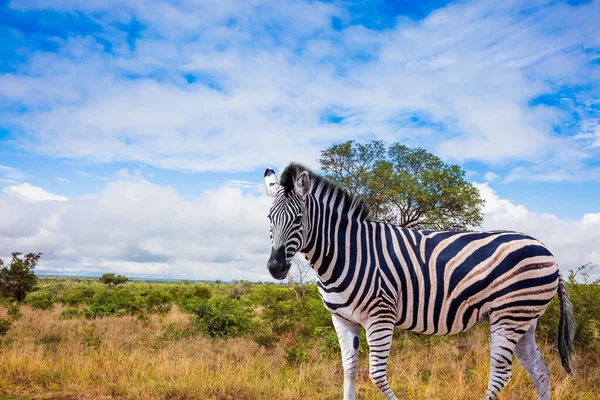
{"points": [[378, 276]]}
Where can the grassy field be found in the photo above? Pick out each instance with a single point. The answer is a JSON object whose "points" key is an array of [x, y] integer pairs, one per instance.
{"points": [[46, 357]]}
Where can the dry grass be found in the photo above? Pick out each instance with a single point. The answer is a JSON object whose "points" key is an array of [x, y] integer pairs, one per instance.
{"points": [[44, 357]]}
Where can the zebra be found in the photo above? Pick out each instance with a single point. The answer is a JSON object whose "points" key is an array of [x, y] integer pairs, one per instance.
{"points": [[378, 276]]}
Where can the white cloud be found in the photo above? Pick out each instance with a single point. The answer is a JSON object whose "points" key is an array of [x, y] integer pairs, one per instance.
{"points": [[573, 242], [33, 194], [141, 228], [470, 68], [592, 218]]}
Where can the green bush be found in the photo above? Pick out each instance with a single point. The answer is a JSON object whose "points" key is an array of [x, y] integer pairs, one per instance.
{"points": [[296, 354], [158, 302], [220, 317], [170, 333], [40, 300], [584, 293], [327, 342], [5, 325], [265, 338], [189, 305], [91, 339], [70, 313], [239, 289], [202, 293], [14, 313], [75, 295], [286, 312]]}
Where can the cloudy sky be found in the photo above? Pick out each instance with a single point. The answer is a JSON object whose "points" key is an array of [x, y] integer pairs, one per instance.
{"points": [[134, 133]]}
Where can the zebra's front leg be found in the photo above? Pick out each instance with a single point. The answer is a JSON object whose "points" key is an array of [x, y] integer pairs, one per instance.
{"points": [[379, 337], [349, 337]]}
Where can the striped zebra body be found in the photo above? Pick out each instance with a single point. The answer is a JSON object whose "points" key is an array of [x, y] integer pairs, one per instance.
{"points": [[452, 281], [379, 277]]}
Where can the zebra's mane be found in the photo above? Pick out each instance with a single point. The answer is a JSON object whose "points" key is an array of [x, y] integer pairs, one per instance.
{"points": [[351, 203]]}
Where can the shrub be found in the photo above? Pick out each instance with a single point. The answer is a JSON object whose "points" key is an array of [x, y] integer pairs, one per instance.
{"points": [[190, 305], [158, 302], [265, 339], [70, 313], [328, 342], [91, 339], [143, 318], [170, 333], [14, 312], [219, 317], [75, 296], [285, 312], [5, 325], [584, 293], [40, 300], [296, 354], [202, 293], [239, 289]]}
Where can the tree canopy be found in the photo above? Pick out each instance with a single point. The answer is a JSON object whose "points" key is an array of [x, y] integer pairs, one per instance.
{"points": [[113, 280], [408, 187], [18, 279]]}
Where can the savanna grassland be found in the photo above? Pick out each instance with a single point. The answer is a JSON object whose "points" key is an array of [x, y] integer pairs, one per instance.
{"points": [[75, 339]]}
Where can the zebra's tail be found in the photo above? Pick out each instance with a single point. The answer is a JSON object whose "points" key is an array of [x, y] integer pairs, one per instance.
{"points": [[566, 328]]}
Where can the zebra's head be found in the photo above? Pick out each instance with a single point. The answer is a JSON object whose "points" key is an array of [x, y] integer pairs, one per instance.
{"points": [[287, 218]]}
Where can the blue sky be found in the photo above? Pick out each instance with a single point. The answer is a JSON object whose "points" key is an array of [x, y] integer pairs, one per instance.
{"points": [[102, 98]]}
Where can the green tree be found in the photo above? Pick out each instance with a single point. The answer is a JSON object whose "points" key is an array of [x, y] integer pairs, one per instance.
{"points": [[113, 280], [408, 187], [18, 279]]}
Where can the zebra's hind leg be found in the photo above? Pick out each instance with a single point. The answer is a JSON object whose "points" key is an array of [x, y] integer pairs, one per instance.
{"points": [[379, 337], [531, 359], [505, 334]]}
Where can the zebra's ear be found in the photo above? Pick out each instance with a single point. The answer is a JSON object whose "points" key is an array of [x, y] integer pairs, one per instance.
{"points": [[302, 184], [271, 182]]}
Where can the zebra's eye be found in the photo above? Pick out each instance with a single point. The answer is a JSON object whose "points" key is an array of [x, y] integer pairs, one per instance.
{"points": [[298, 218]]}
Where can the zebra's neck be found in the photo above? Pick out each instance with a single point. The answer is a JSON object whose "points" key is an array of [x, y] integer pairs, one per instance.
{"points": [[331, 226]]}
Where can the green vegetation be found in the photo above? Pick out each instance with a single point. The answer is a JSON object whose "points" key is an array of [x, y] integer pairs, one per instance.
{"points": [[113, 280], [18, 278], [292, 315], [269, 313], [408, 187], [5, 325], [584, 293]]}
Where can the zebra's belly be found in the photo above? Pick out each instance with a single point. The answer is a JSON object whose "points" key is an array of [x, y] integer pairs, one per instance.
{"points": [[440, 315], [442, 327]]}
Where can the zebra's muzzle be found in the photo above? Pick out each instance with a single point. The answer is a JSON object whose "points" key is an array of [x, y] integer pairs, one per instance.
{"points": [[277, 265]]}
